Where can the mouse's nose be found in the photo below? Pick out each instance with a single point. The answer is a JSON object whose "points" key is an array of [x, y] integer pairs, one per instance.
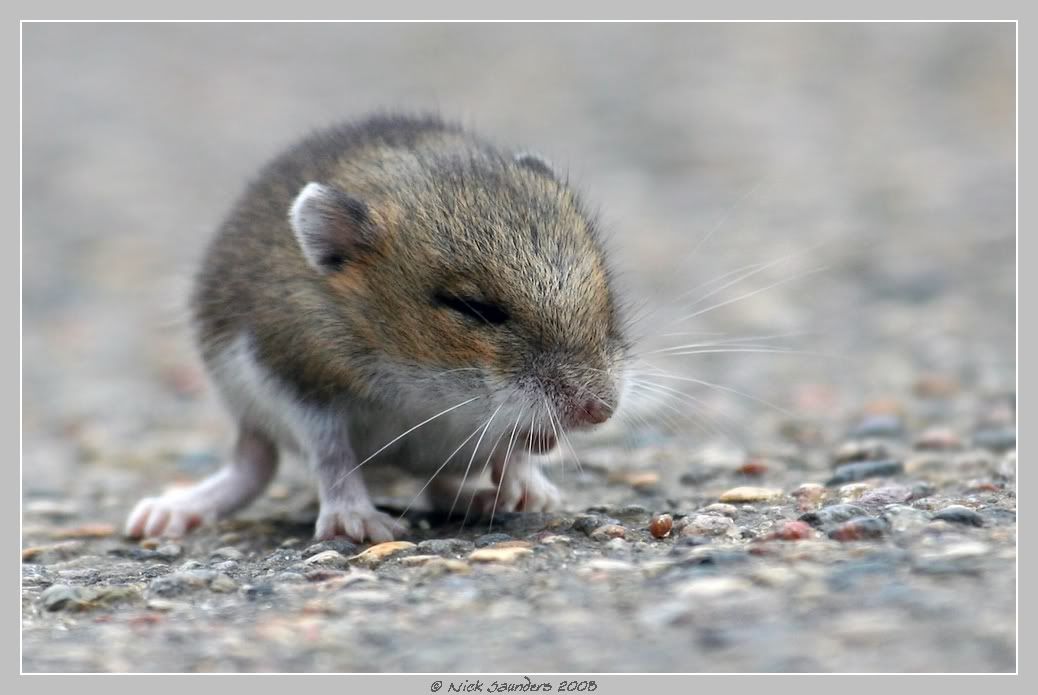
{"points": [[590, 412]]}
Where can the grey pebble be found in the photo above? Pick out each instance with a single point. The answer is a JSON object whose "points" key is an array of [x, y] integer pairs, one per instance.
{"points": [[339, 545], [878, 426], [1001, 439], [182, 582], [226, 566], [833, 514], [862, 528], [445, 546], [851, 472], [62, 596], [491, 538], [957, 514], [227, 553]]}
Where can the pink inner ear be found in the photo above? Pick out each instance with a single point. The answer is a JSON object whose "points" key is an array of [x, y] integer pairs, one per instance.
{"points": [[331, 227]]}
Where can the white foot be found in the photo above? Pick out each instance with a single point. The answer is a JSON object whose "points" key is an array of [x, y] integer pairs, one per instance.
{"points": [[178, 511], [521, 487], [357, 524]]}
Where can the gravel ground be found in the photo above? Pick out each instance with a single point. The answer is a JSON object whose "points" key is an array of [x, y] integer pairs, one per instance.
{"points": [[855, 510]]}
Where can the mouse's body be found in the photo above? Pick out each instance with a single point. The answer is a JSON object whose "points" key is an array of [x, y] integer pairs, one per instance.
{"points": [[400, 275]]}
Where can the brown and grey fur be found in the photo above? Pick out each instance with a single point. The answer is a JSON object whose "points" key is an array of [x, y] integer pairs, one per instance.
{"points": [[327, 315]]}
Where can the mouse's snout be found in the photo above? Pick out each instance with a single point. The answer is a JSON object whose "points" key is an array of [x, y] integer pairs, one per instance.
{"points": [[589, 412]]}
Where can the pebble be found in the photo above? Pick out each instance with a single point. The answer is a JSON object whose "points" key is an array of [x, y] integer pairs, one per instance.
{"points": [[852, 491], [935, 386], [181, 582], [881, 425], [377, 554], [339, 545], [327, 558], [639, 480], [223, 584], [861, 450], [1001, 439], [491, 538], [883, 496], [728, 510], [851, 472], [62, 596], [607, 532], [957, 514], [660, 525], [44, 554], [85, 531], [792, 531], [833, 514], [707, 525], [169, 551], [714, 587], [446, 546], [226, 566], [750, 494], [859, 529], [809, 495], [227, 553], [503, 555], [938, 439], [754, 468], [444, 565], [289, 577]]}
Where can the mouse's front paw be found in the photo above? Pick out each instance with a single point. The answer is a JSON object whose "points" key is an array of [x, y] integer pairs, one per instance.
{"points": [[526, 489], [357, 525], [171, 515]]}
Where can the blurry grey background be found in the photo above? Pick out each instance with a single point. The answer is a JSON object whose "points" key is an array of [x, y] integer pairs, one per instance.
{"points": [[883, 153]]}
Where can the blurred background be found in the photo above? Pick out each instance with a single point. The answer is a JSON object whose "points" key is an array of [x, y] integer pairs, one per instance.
{"points": [[874, 164]]}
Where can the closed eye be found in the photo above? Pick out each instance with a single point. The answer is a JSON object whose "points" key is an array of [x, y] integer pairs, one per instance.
{"points": [[477, 309]]}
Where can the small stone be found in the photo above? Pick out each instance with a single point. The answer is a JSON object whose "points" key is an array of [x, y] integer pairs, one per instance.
{"points": [[417, 560], [935, 386], [881, 497], [44, 554], [377, 554], [512, 543], [289, 577], [587, 523], [714, 587], [328, 558], [223, 584], [809, 495], [852, 472], [227, 553], [861, 450], [169, 551], [616, 544], [938, 439], [957, 514], [753, 468], [603, 565], [503, 555], [698, 475], [253, 592], [181, 582], [707, 525], [554, 539], [86, 531], [728, 510], [607, 532], [491, 538], [446, 546], [863, 528], [660, 525], [160, 604], [1001, 439], [339, 545], [852, 491], [792, 531], [833, 514], [639, 480], [881, 425], [189, 565], [63, 597], [444, 565], [226, 566], [750, 494]]}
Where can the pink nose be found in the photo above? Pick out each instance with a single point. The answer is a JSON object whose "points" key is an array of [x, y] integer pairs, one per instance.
{"points": [[591, 412]]}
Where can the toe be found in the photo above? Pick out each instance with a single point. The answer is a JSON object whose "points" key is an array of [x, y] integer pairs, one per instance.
{"points": [[157, 520]]}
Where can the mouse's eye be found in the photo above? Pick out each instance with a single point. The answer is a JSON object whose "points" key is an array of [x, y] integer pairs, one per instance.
{"points": [[477, 309]]}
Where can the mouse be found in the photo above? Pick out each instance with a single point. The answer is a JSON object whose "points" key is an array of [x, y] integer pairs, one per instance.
{"points": [[399, 291]]}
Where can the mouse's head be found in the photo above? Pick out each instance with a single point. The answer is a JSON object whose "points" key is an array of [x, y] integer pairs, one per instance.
{"points": [[473, 275]]}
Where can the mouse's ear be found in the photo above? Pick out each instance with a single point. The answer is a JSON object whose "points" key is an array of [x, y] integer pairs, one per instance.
{"points": [[535, 163], [332, 228]]}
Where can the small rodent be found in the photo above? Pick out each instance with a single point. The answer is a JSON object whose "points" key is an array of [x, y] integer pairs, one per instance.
{"points": [[401, 276]]}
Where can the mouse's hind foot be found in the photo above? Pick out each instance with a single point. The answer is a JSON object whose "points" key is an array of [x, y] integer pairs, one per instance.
{"points": [[177, 511]]}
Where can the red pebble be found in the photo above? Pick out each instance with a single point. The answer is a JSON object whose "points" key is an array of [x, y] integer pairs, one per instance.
{"points": [[794, 531], [754, 467]]}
